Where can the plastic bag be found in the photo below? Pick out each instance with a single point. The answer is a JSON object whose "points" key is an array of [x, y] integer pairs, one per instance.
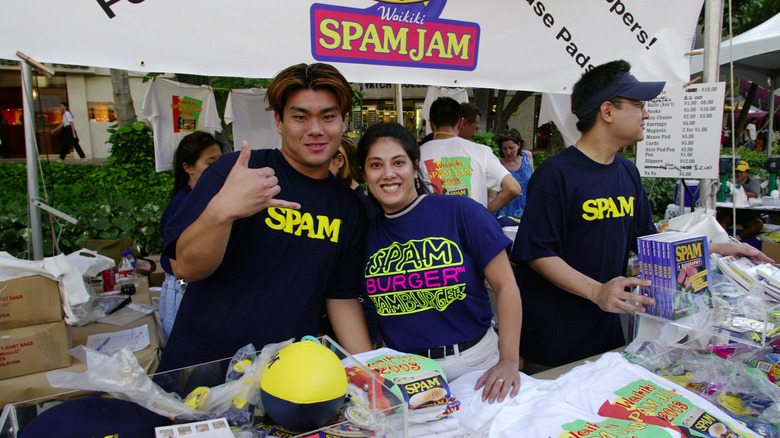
{"points": [[72, 289], [99, 306], [705, 372], [749, 396], [699, 222], [740, 197], [120, 375], [89, 262], [652, 354]]}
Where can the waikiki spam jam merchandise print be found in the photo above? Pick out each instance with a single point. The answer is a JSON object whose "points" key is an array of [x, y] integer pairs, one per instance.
{"points": [[612, 428], [186, 111], [398, 33], [417, 380], [450, 175], [648, 403], [612, 387]]}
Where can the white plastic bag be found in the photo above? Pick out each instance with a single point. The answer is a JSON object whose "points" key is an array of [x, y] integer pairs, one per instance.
{"points": [[699, 222], [121, 375], [89, 262], [73, 292], [740, 197]]}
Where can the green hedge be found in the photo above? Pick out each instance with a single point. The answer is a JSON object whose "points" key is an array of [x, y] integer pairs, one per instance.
{"points": [[124, 197], [659, 190]]}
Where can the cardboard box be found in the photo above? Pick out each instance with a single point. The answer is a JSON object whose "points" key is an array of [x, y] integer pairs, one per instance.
{"points": [[29, 301], [33, 349], [772, 250]]}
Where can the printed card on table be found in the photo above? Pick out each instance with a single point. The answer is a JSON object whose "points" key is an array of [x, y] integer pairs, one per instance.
{"points": [[217, 428]]}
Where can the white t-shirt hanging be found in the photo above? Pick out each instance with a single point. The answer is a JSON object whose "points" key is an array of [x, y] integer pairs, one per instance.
{"points": [[175, 109], [434, 93], [252, 118]]}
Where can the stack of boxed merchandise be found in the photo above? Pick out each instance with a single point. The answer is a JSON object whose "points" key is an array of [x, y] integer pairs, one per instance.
{"points": [[678, 265], [33, 335]]}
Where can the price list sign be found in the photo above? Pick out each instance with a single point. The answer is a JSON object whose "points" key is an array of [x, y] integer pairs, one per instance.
{"points": [[682, 134]]}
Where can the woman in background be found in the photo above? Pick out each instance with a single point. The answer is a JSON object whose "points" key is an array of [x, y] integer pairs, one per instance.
{"points": [[520, 164], [427, 259], [345, 167], [195, 153]]}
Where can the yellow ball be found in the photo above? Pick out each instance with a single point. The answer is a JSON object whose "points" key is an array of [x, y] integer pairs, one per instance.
{"points": [[303, 386]]}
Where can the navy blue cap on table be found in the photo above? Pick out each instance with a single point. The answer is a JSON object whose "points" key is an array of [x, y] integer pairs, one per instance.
{"points": [[94, 417]]}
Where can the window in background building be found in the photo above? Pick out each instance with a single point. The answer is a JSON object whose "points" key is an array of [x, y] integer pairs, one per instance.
{"points": [[12, 116], [101, 111]]}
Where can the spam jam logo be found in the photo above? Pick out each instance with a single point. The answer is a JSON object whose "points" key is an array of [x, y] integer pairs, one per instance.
{"points": [[393, 32]]}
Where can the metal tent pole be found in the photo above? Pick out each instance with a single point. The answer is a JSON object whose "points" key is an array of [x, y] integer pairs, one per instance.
{"points": [[713, 16], [771, 134], [31, 146], [399, 105]]}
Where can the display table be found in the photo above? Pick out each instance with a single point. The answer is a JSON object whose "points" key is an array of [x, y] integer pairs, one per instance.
{"points": [[575, 401], [35, 386], [554, 373], [757, 207]]}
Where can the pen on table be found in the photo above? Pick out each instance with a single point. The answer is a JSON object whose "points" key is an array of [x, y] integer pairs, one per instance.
{"points": [[103, 344]]}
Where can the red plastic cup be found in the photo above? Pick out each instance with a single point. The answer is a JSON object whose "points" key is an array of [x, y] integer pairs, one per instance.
{"points": [[109, 280]]}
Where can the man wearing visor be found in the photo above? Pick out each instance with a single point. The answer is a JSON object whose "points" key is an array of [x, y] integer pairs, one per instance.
{"points": [[586, 206]]}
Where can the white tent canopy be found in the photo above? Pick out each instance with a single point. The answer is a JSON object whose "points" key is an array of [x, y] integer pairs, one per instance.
{"points": [[535, 45], [505, 44], [755, 53]]}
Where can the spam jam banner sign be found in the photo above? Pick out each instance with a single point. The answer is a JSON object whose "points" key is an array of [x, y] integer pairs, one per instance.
{"points": [[408, 35], [539, 45]]}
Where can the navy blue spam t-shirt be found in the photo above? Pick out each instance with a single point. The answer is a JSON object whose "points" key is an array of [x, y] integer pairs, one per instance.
{"points": [[170, 210], [425, 268], [279, 266], [590, 215]]}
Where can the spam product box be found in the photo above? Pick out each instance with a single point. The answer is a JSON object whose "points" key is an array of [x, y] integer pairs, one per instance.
{"points": [[416, 380], [34, 349], [29, 301]]}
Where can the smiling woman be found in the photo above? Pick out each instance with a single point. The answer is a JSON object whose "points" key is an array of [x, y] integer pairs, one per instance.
{"points": [[427, 259]]}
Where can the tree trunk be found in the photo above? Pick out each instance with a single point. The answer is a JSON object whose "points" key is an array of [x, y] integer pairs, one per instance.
{"points": [[500, 120], [557, 143], [744, 113], [503, 113], [482, 99], [123, 100]]}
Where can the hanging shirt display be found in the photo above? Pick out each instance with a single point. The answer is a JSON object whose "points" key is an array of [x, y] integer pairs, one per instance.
{"points": [[252, 118], [175, 109]]}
